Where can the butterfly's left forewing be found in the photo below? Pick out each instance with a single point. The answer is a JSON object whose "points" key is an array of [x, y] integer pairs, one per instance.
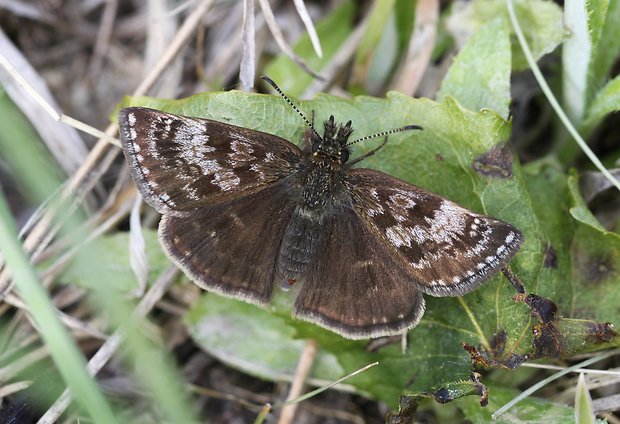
{"points": [[181, 163], [446, 249]]}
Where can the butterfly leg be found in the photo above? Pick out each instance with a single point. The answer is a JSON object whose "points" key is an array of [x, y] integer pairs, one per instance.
{"points": [[372, 152]]}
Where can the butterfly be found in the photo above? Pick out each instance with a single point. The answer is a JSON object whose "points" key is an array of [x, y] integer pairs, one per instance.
{"points": [[246, 213]]}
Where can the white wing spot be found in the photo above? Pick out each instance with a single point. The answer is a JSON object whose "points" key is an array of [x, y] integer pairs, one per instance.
{"points": [[131, 118], [401, 203], [193, 145], [242, 150], [376, 208], [481, 246], [447, 224], [256, 168], [398, 236], [168, 123], [226, 180], [190, 191]]}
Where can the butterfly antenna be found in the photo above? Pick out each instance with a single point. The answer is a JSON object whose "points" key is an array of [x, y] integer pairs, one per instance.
{"points": [[383, 133], [291, 104]]}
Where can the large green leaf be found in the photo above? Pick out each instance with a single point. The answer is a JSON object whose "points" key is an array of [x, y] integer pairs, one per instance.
{"points": [[440, 159], [443, 158]]}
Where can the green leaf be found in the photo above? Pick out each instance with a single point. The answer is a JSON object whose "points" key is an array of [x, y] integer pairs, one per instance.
{"points": [[440, 159], [581, 265], [377, 20], [596, 263], [607, 100], [24, 155], [264, 346], [480, 75], [404, 16], [583, 403], [540, 20], [587, 57], [603, 23], [332, 32], [576, 54], [113, 264]]}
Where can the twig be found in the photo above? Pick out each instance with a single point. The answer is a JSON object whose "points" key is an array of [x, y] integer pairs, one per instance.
{"points": [[103, 36], [421, 44], [247, 69], [307, 20], [270, 19], [514, 280], [301, 373], [338, 60]]}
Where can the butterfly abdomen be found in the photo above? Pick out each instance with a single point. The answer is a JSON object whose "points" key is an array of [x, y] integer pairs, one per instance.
{"points": [[299, 243], [319, 183]]}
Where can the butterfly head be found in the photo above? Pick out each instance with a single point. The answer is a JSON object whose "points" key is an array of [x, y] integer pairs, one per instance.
{"points": [[333, 144]]}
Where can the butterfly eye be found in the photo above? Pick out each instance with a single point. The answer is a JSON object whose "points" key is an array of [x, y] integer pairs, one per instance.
{"points": [[315, 147], [344, 155]]}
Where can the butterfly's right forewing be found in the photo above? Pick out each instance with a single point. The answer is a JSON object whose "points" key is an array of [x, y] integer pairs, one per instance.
{"points": [[446, 249], [181, 163]]}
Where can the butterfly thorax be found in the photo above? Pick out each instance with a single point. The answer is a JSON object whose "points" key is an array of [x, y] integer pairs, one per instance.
{"points": [[322, 180]]}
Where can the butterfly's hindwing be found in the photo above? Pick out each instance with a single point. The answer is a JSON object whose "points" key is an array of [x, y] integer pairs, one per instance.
{"points": [[352, 287], [232, 248], [447, 249], [182, 163]]}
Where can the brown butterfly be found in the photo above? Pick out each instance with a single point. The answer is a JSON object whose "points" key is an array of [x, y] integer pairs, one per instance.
{"points": [[245, 212]]}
